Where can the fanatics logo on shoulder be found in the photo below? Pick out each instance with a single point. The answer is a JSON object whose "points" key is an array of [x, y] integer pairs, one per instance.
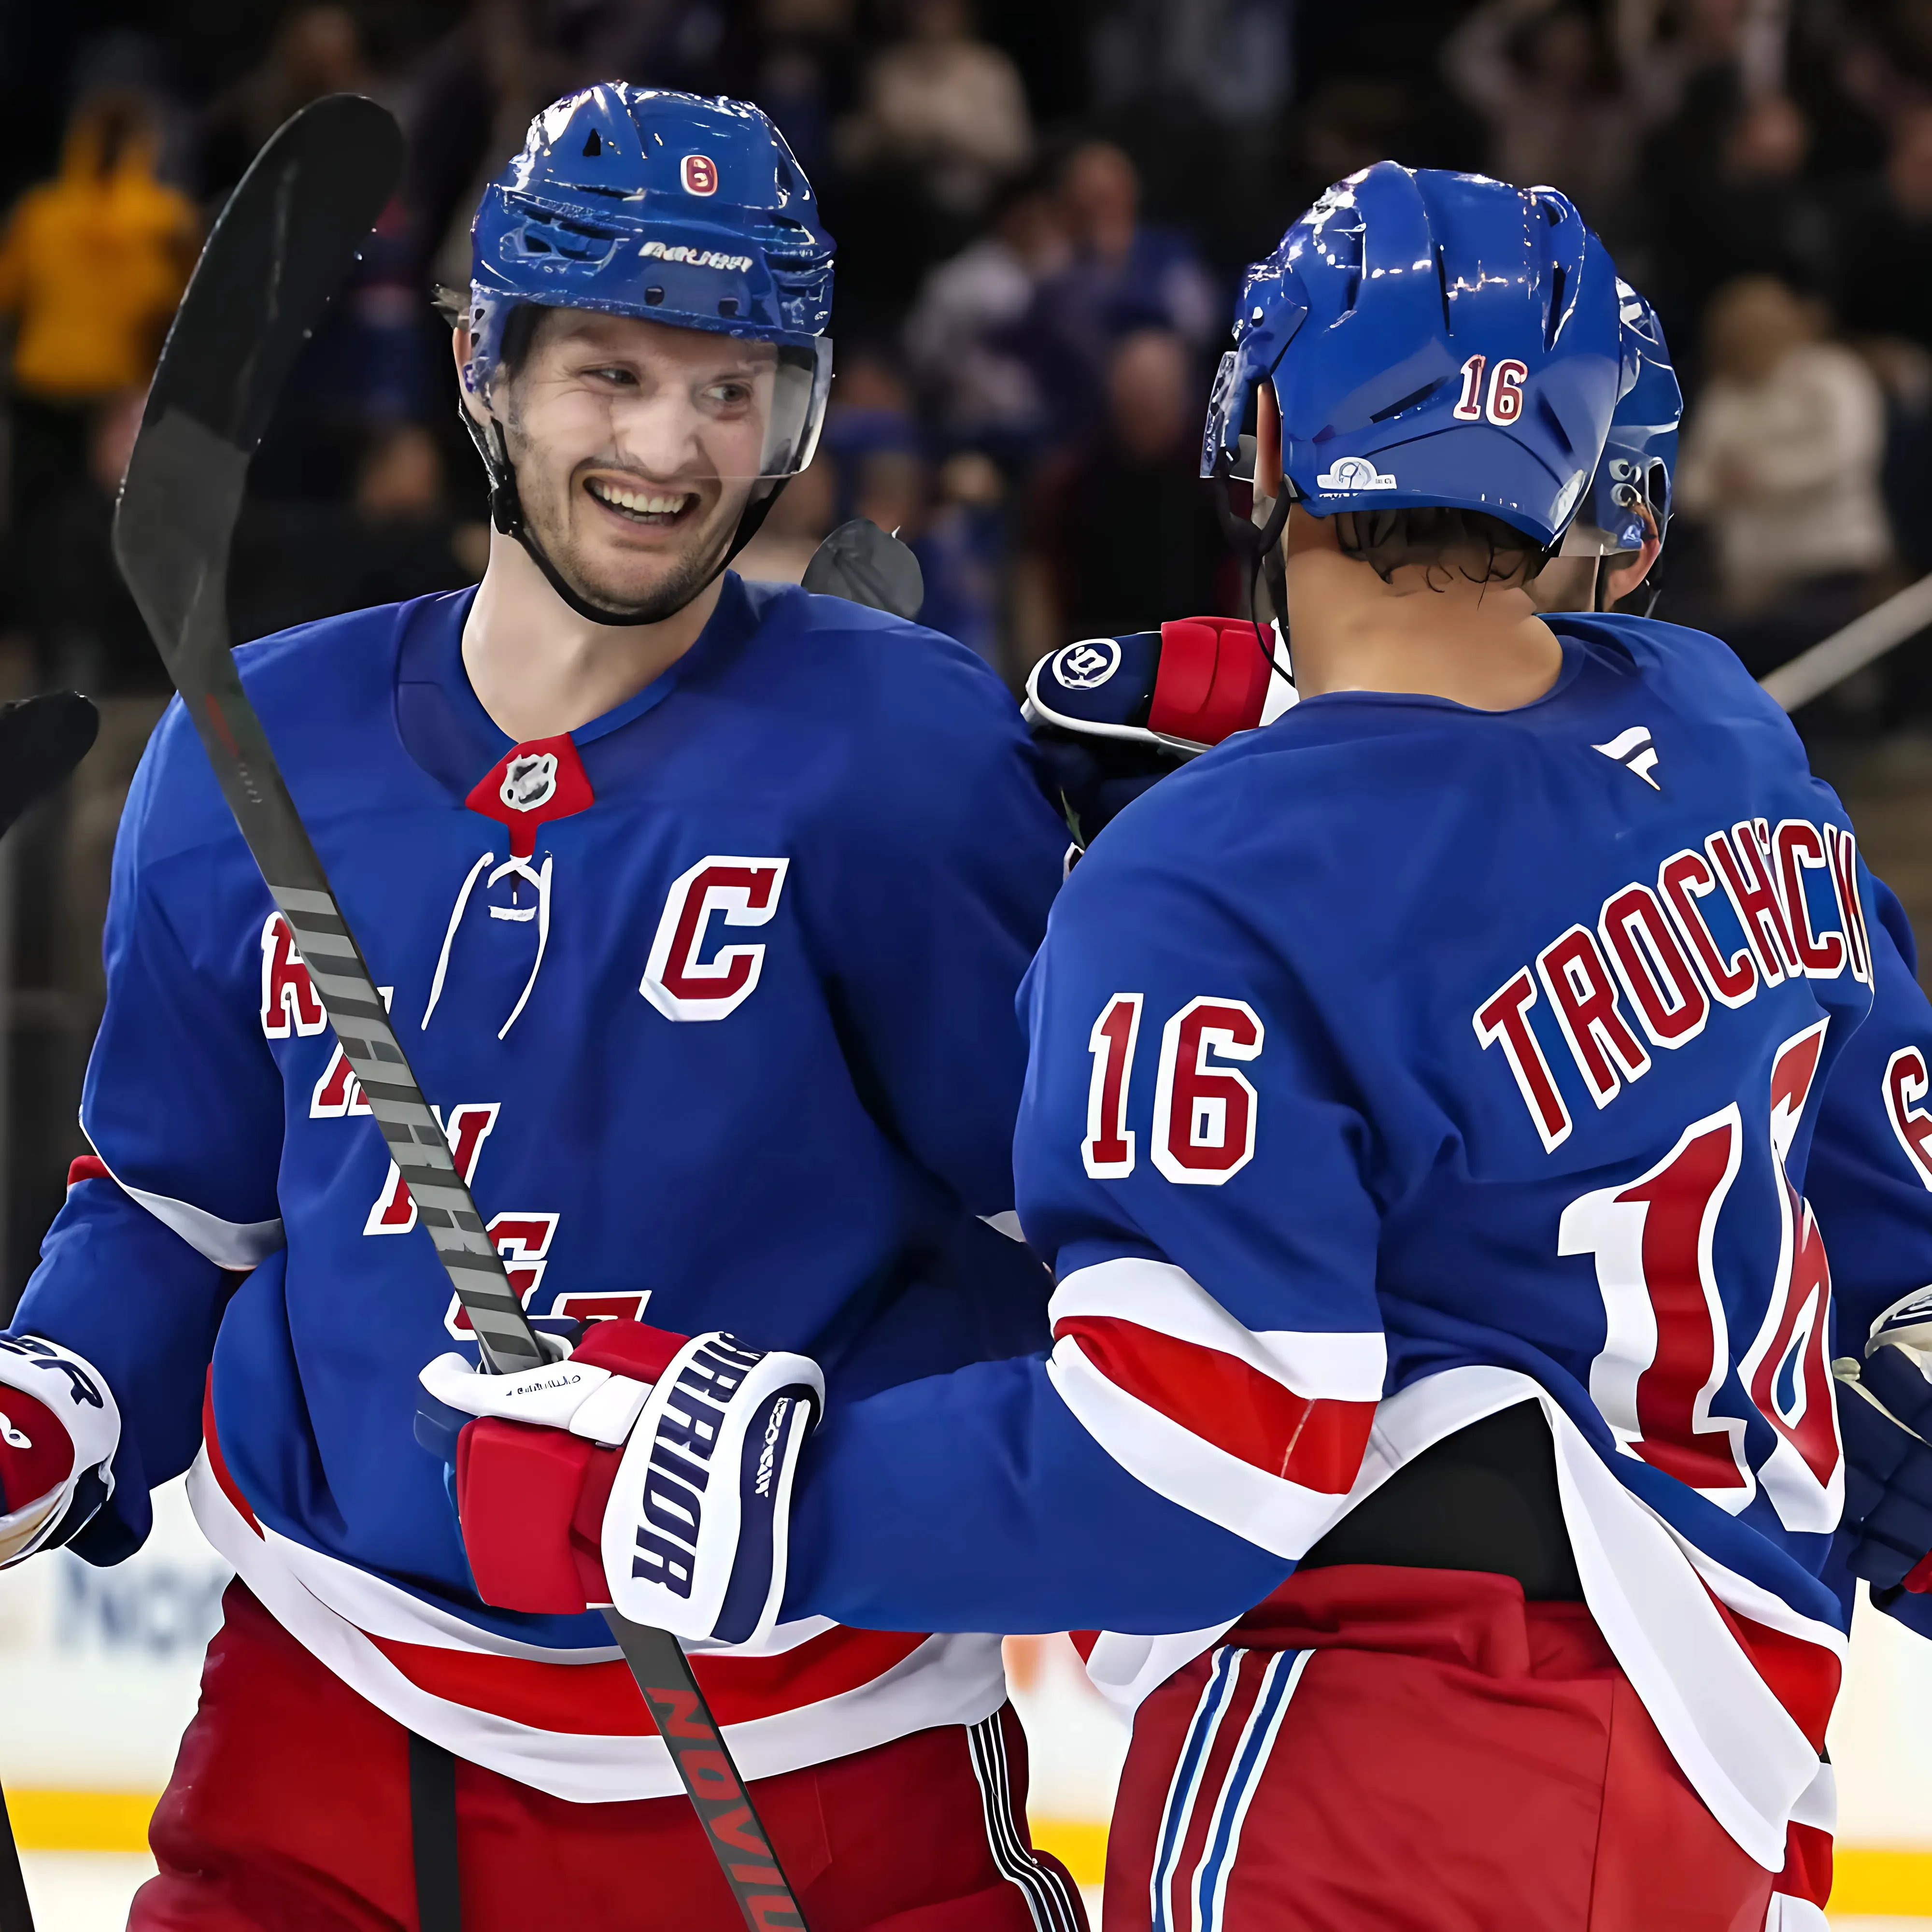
{"points": [[529, 781], [700, 173], [1635, 751], [1355, 472], [1084, 666]]}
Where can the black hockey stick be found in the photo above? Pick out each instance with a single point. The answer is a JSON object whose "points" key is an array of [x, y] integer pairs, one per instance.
{"points": [[41, 741], [283, 243], [16, 1911]]}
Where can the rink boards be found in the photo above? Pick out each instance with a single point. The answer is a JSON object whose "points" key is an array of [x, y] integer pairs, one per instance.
{"points": [[98, 1670]]}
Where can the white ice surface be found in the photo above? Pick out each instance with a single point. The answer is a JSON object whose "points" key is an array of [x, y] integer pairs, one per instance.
{"points": [[84, 1892]]}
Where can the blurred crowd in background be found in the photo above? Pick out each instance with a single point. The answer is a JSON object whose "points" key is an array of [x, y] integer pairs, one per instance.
{"points": [[1043, 208]]}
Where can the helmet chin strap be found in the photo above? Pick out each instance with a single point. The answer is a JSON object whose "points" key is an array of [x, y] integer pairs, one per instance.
{"points": [[1260, 545], [506, 513]]}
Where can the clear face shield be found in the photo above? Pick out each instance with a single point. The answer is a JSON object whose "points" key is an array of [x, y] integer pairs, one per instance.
{"points": [[1241, 443]]}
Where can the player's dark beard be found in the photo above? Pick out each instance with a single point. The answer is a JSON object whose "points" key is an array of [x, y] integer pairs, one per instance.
{"points": [[546, 517]]}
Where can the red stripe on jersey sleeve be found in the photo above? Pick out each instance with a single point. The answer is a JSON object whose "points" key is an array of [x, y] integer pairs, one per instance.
{"points": [[1314, 1443], [87, 1167]]}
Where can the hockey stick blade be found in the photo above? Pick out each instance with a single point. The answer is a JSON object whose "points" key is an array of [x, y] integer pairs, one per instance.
{"points": [[281, 245], [864, 564], [41, 740]]}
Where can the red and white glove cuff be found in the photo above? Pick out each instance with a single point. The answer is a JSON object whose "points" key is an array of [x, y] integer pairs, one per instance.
{"points": [[59, 1430], [686, 1529], [1214, 680]]}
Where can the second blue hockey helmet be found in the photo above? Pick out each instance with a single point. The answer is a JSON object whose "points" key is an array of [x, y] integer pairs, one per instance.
{"points": [[1431, 339], [1640, 451]]}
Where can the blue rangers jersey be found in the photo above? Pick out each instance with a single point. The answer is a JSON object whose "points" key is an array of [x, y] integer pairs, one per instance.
{"points": [[715, 997], [1399, 1063]]}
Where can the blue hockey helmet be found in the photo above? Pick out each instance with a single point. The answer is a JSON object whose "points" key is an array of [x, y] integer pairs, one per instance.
{"points": [[670, 207], [1431, 339], [1640, 452], [675, 208]]}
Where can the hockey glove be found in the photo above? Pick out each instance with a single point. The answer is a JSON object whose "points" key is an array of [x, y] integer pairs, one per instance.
{"points": [[1112, 716], [1884, 1417], [644, 1470], [59, 1429]]}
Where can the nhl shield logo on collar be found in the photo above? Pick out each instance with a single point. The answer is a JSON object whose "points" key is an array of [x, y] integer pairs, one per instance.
{"points": [[530, 784], [529, 780]]}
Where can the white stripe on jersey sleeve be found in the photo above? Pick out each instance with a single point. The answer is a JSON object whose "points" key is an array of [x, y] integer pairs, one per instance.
{"points": [[237, 1245]]}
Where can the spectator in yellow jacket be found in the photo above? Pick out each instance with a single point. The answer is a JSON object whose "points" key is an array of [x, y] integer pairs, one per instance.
{"points": [[92, 266]]}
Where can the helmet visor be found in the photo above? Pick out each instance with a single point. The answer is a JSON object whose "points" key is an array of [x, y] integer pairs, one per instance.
{"points": [[681, 410]]}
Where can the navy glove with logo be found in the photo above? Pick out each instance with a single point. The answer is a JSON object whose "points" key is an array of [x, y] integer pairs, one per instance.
{"points": [[1885, 1417], [1113, 716]]}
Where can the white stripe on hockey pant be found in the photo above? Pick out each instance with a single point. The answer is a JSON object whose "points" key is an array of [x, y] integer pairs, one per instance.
{"points": [[1185, 1785], [1043, 1888], [1245, 1772], [1795, 1914]]}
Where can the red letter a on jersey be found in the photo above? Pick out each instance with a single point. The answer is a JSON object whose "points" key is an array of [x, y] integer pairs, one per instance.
{"points": [[466, 1130]]}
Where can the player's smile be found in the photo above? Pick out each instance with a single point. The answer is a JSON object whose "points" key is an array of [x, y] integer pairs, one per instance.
{"points": [[641, 506]]}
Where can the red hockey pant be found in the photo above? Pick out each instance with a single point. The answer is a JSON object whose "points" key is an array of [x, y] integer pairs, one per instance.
{"points": [[289, 1811], [1413, 1751]]}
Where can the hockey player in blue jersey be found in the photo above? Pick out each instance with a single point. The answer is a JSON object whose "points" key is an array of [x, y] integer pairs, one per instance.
{"points": [[703, 906], [1606, 556], [1439, 1102]]}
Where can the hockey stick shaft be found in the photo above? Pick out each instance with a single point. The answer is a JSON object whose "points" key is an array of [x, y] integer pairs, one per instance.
{"points": [[17, 1912], [173, 532]]}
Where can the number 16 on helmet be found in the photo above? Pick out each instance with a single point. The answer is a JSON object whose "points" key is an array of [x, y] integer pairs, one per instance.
{"points": [[1429, 339]]}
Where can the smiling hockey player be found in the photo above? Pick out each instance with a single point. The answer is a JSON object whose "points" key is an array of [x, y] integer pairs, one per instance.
{"points": [[702, 906], [1424, 1093]]}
